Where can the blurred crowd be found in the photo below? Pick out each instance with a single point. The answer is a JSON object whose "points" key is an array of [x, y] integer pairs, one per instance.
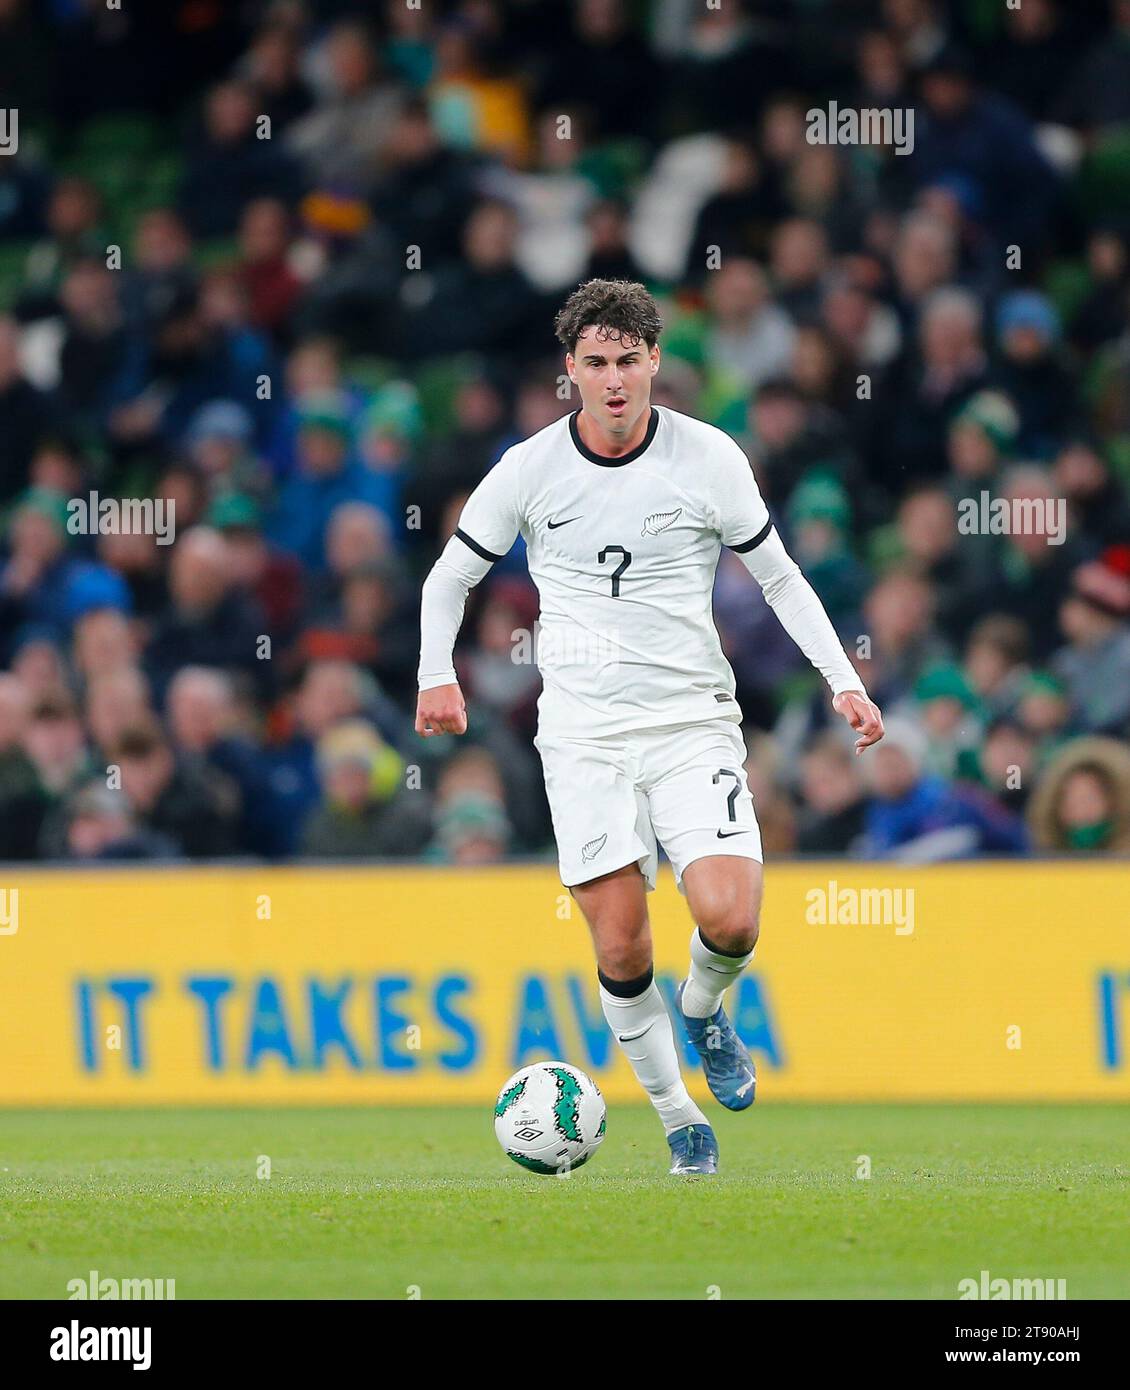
{"points": [[292, 267]]}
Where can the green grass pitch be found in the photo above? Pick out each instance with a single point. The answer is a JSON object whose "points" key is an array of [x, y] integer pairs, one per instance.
{"points": [[376, 1203]]}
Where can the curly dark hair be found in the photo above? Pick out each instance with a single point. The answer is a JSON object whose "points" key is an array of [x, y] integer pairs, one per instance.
{"points": [[622, 309]]}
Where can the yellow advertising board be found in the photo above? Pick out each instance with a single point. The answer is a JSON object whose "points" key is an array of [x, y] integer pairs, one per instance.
{"points": [[378, 985]]}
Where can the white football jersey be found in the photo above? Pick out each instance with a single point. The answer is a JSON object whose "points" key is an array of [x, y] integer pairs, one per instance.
{"points": [[623, 552]]}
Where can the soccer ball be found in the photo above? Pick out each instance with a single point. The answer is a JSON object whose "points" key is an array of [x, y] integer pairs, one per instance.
{"points": [[549, 1117]]}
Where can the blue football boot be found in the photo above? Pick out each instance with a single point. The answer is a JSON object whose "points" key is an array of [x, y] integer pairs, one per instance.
{"points": [[694, 1151], [729, 1068]]}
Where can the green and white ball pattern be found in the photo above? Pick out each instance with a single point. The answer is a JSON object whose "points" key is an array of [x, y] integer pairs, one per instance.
{"points": [[550, 1117]]}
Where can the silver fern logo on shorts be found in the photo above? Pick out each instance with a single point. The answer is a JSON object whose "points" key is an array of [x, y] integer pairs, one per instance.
{"points": [[593, 848], [659, 521]]}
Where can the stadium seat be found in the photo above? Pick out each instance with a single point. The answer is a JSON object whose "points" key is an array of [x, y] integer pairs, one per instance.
{"points": [[1104, 178], [437, 383], [210, 254], [121, 137], [370, 373], [1067, 284], [614, 166], [13, 266]]}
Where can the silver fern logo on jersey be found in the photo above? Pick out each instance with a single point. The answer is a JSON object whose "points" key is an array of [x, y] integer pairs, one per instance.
{"points": [[593, 848], [659, 521]]}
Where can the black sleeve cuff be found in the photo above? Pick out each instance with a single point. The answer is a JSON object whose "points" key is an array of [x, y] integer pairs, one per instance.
{"points": [[745, 545], [479, 550]]}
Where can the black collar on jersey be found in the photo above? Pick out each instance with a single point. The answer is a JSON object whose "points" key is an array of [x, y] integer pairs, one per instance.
{"points": [[604, 461]]}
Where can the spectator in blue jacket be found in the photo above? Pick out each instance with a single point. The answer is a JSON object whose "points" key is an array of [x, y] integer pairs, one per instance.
{"points": [[920, 818], [328, 474], [964, 130], [181, 365]]}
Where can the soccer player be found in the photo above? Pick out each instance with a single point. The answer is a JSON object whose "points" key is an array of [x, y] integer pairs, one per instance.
{"points": [[624, 507]]}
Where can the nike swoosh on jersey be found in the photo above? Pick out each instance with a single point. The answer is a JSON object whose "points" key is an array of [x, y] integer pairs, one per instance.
{"points": [[553, 525], [726, 835]]}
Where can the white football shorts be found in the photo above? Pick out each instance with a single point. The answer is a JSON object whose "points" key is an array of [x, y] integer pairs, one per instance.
{"points": [[615, 799]]}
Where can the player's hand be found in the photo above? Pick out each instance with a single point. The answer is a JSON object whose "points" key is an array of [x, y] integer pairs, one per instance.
{"points": [[441, 710], [862, 714]]}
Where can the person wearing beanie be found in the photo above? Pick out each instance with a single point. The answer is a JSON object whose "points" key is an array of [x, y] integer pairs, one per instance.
{"points": [[1043, 710], [981, 441], [220, 442], [101, 826], [1032, 373], [366, 810], [951, 716], [37, 569], [328, 473], [819, 519], [470, 829]]}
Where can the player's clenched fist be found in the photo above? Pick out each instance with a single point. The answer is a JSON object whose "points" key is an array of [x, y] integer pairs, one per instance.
{"points": [[863, 716], [441, 710]]}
